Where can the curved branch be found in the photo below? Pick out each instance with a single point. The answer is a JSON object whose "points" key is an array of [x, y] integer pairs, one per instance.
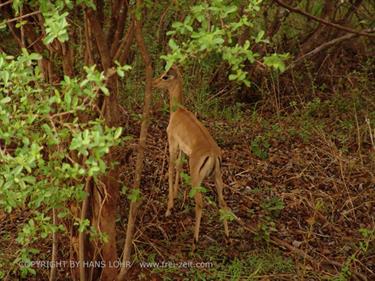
{"points": [[325, 46], [323, 21], [23, 16], [6, 3]]}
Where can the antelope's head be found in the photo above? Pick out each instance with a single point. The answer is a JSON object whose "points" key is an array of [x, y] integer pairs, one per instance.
{"points": [[169, 79]]}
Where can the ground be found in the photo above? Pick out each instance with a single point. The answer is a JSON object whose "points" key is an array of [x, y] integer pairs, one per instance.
{"points": [[301, 184]]}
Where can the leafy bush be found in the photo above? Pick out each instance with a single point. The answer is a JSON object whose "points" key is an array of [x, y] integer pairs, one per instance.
{"points": [[214, 28], [47, 152]]}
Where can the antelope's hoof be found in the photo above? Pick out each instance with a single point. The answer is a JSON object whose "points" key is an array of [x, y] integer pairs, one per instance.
{"points": [[228, 241], [194, 246], [168, 213]]}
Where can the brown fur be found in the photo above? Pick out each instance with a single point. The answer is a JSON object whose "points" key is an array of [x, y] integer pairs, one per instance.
{"points": [[187, 134]]}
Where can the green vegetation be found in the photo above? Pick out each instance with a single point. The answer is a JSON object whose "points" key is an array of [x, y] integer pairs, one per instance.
{"points": [[286, 88], [38, 171]]}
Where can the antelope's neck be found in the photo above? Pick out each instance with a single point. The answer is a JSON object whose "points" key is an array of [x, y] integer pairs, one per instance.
{"points": [[175, 98]]}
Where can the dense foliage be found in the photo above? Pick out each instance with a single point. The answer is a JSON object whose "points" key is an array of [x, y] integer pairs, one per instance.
{"points": [[288, 88], [42, 135]]}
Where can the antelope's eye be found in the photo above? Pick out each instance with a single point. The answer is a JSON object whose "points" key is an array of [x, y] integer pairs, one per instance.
{"points": [[165, 77]]}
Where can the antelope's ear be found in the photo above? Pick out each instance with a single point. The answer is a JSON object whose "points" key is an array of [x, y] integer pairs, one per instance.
{"points": [[174, 67], [172, 72], [176, 70]]}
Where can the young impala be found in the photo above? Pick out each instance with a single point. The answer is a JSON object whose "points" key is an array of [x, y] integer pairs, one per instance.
{"points": [[186, 134]]}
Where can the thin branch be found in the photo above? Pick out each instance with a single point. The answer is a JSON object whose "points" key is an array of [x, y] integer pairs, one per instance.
{"points": [[82, 234], [6, 3], [323, 21], [100, 39], [12, 28], [325, 46], [119, 28], [35, 41], [372, 136], [52, 275], [141, 147], [24, 16], [116, 7], [67, 58], [353, 8], [161, 22], [123, 50], [88, 42]]}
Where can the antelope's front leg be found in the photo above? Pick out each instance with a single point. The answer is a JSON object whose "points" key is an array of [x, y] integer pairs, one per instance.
{"points": [[173, 147]]}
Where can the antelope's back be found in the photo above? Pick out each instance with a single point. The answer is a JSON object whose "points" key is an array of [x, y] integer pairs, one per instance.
{"points": [[190, 133]]}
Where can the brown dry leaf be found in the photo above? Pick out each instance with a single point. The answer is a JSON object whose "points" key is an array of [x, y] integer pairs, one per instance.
{"points": [[311, 220], [2, 215]]}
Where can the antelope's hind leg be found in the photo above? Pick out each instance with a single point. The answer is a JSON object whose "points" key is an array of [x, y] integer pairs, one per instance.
{"points": [[198, 213], [219, 188], [173, 149], [196, 181], [178, 171]]}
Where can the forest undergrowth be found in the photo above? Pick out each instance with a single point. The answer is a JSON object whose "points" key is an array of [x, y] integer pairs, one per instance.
{"points": [[304, 175]]}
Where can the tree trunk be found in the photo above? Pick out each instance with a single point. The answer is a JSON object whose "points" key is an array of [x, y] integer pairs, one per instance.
{"points": [[141, 147]]}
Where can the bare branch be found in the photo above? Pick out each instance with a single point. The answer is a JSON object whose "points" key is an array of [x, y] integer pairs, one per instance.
{"points": [[141, 147], [325, 46], [52, 275], [12, 28], [124, 48], [100, 39], [89, 58], [117, 31], [24, 16], [116, 7], [6, 3], [323, 21], [82, 235]]}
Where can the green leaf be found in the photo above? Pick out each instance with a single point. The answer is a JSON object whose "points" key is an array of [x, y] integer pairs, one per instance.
{"points": [[5, 100], [56, 26], [226, 215], [276, 61], [259, 36], [172, 44], [195, 190], [118, 133], [17, 170], [3, 24], [134, 195], [83, 225], [68, 99]]}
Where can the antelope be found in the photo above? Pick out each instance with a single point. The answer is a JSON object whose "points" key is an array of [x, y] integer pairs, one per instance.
{"points": [[188, 135]]}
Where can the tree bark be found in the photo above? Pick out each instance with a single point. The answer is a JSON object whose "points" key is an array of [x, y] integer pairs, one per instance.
{"points": [[105, 209], [141, 146]]}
